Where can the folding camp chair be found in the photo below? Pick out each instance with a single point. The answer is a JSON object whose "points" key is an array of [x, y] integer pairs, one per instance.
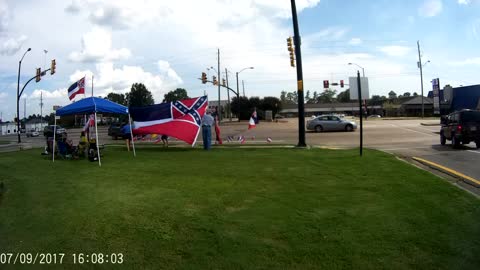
{"points": [[63, 150]]}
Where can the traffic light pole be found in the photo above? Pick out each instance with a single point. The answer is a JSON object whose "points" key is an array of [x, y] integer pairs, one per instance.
{"points": [[298, 53], [19, 95], [228, 96]]}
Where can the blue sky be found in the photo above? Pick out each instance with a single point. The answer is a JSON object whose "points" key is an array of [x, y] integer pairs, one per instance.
{"points": [[167, 44]]}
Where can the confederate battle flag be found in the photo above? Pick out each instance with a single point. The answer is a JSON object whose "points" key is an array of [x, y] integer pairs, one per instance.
{"points": [[180, 119]]}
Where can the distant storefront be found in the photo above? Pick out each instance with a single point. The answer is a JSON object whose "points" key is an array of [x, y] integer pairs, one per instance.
{"points": [[291, 110]]}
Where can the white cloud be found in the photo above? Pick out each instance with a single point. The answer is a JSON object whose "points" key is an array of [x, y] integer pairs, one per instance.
{"points": [[123, 14], [168, 72], [74, 7], [108, 79], [395, 50], [466, 62], [328, 34], [430, 8], [4, 15], [97, 47], [12, 45], [355, 41], [463, 2], [55, 94]]}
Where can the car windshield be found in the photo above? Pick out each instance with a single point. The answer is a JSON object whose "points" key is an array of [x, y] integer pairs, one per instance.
{"points": [[471, 117]]}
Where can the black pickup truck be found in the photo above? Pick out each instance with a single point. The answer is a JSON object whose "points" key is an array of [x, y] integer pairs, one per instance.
{"points": [[461, 127]]}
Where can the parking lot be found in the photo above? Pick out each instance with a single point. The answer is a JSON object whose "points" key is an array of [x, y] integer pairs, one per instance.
{"points": [[405, 138]]}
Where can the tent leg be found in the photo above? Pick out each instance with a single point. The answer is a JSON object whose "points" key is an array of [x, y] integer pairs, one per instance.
{"points": [[96, 141], [54, 135], [131, 135]]}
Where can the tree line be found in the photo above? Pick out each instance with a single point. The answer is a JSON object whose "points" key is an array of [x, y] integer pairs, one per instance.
{"points": [[331, 96]]}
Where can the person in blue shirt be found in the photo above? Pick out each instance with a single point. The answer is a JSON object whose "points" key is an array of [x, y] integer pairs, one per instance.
{"points": [[207, 123], [126, 135]]}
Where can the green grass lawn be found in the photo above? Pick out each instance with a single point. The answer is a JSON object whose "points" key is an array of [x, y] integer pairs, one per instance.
{"points": [[4, 142], [239, 209]]}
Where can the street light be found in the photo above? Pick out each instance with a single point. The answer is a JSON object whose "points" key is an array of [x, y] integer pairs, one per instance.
{"points": [[18, 95], [237, 77], [363, 70]]}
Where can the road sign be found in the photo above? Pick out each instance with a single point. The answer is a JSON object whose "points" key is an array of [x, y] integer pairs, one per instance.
{"points": [[436, 95], [354, 88]]}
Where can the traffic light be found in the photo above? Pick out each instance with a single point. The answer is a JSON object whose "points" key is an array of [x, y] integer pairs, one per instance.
{"points": [[342, 83], [38, 77], [224, 83], [325, 84], [204, 77], [290, 43], [214, 80], [53, 67], [291, 50]]}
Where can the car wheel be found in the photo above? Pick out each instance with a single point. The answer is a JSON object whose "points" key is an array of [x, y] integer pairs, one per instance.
{"points": [[455, 142], [349, 128], [318, 128], [443, 140]]}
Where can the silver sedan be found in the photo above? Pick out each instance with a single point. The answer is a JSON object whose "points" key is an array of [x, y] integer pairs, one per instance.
{"points": [[330, 123]]}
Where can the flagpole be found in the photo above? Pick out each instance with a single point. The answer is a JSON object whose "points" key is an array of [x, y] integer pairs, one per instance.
{"points": [[54, 133], [92, 85], [96, 139], [131, 135]]}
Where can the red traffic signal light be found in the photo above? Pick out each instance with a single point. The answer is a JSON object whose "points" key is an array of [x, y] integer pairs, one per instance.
{"points": [[342, 83], [325, 84]]}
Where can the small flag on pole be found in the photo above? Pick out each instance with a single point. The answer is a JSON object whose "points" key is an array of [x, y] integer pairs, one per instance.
{"points": [[76, 88], [253, 118]]}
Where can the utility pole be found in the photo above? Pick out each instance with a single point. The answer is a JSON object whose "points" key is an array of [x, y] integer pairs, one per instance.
{"points": [[243, 86], [41, 109], [298, 53], [421, 75], [360, 111], [228, 96], [24, 108], [219, 109]]}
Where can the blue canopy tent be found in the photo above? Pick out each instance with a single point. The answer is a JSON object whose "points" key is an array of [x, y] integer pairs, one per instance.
{"points": [[93, 105]]}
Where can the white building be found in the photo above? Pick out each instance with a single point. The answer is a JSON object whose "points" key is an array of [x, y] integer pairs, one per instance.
{"points": [[8, 128]]}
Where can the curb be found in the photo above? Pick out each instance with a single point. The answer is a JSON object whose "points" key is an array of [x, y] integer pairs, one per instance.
{"points": [[465, 178], [430, 125]]}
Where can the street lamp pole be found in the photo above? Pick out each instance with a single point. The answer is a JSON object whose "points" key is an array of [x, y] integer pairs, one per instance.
{"points": [[237, 79], [18, 95], [363, 70]]}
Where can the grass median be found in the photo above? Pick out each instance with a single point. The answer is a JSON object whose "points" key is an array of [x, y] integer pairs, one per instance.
{"points": [[239, 208]]}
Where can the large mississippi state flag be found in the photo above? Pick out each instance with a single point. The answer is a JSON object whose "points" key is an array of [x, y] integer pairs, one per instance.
{"points": [[76, 88], [180, 119]]}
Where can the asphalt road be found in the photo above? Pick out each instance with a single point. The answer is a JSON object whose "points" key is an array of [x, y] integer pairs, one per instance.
{"points": [[406, 138]]}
